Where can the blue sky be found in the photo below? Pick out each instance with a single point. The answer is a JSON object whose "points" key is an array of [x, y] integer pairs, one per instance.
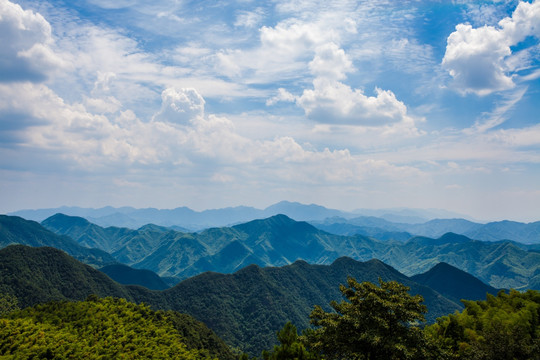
{"points": [[209, 104]]}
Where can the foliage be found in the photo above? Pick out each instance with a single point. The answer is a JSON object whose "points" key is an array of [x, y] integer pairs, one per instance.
{"points": [[8, 304], [506, 326], [290, 348], [95, 329], [376, 322]]}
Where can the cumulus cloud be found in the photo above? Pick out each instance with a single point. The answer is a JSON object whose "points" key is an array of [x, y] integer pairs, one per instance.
{"points": [[480, 59], [180, 106], [25, 54], [335, 102]]}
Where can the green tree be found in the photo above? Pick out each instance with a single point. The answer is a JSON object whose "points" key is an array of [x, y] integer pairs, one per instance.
{"points": [[8, 303], [506, 326], [376, 322], [290, 347]]}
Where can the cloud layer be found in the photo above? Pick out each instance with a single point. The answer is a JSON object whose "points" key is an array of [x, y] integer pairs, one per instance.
{"points": [[348, 104]]}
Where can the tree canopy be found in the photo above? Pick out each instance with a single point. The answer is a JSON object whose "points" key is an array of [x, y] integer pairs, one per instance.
{"points": [[506, 326], [374, 322]]}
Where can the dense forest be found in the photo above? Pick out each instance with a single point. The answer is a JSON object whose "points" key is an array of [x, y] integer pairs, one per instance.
{"points": [[373, 321]]}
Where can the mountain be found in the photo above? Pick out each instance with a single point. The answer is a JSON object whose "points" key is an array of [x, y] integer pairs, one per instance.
{"points": [[16, 230], [126, 275], [106, 328], [279, 240], [493, 231], [245, 308], [453, 283], [507, 230], [41, 274], [255, 302]]}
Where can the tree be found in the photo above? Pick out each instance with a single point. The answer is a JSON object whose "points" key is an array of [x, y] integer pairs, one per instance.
{"points": [[506, 326], [376, 322], [8, 303], [290, 347]]}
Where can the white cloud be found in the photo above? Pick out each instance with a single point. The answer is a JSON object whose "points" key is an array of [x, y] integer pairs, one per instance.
{"points": [[480, 59], [26, 39], [335, 102], [180, 106], [330, 62]]}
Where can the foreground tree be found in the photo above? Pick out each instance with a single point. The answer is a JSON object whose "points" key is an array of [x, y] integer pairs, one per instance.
{"points": [[290, 347], [506, 326], [376, 322]]}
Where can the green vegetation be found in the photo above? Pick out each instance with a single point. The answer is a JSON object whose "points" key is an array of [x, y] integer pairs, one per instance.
{"points": [[375, 322], [279, 240], [506, 326], [16, 230], [290, 346], [381, 322], [96, 329]]}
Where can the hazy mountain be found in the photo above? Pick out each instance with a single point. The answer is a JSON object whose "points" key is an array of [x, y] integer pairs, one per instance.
{"points": [[507, 230], [187, 218], [453, 283], [16, 230], [126, 275], [494, 231], [279, 240]]}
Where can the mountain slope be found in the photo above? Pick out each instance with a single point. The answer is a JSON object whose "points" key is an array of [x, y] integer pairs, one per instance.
{"points": [[453, 283], [256, 302], [106, 328], [16, 230], [245, 308], [279, 240], [126, 275], [38, 275]]}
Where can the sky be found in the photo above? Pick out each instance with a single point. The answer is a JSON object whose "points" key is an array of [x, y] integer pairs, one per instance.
{"points": [[211, 104]]}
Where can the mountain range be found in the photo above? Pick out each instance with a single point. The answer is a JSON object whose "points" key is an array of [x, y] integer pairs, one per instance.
{"points": [[245, 308], [395, 224], [279, 240], [186, 219]]}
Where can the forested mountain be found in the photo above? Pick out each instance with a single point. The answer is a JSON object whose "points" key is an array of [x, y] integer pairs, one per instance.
{"points": [[280, 240], [126, 275], [256, 302], [245, 308], [41, 274], [106, 329], [453, 283], [381, 229], [16, 230]]}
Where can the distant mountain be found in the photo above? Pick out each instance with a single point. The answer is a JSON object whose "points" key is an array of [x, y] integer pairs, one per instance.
{"points": [[453, 283], [279, 240], [507, 230], [494, 231], [16, 230], [191, 220], [126, 275]]}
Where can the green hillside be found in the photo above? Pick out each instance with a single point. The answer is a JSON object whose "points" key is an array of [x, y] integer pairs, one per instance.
{"points": [[103, 329], [245, 308], [39, 275], [279, 240], [255, 302], [16, 230], [453, 283]]}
